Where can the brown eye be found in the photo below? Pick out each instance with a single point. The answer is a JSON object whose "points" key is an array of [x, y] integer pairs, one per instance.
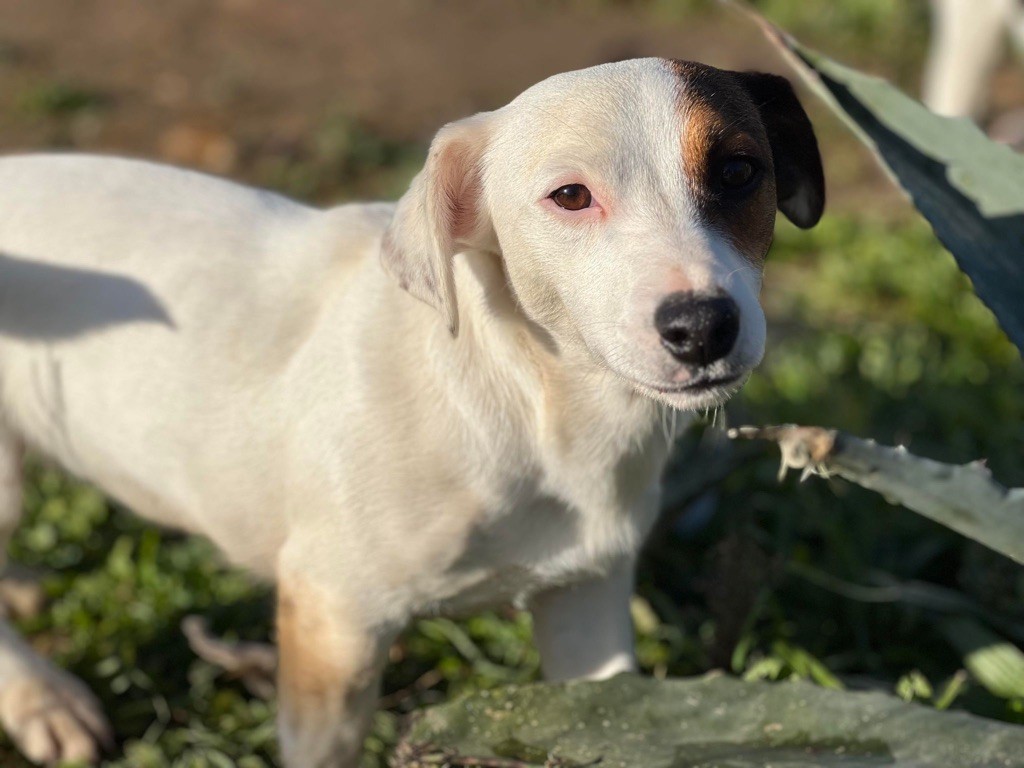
{"points": [[572, 197], [737, 172]]}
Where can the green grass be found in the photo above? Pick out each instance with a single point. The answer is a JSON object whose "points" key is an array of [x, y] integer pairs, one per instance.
{"points": [[870, 33], [58, 99], [342, 160]]}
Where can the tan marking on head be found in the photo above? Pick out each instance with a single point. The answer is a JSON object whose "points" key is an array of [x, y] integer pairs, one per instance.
{"points": [[719, 120]]}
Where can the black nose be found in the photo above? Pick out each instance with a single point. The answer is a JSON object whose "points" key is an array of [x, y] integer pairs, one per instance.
{"points": [[698, 330]]}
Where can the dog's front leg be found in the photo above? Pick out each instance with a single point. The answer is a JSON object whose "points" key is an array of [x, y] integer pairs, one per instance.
{"points": [[585, 630], [330, 662]]}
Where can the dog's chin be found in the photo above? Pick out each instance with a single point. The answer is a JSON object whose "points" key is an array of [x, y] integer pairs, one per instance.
{"points": [[699, 396]]}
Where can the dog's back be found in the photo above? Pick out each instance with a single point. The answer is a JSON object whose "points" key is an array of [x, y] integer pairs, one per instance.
{"points": [[126, 284]]}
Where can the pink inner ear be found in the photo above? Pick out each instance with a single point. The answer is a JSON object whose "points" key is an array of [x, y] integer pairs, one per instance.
{"points": [[460, 189]]}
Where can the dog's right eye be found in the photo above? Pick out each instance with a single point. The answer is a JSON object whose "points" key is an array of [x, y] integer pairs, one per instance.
{"points": [[737, 173], [572, 197]]}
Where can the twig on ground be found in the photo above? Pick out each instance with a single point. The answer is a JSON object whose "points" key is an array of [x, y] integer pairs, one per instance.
{"points": [[424, 682], [255, 664]]}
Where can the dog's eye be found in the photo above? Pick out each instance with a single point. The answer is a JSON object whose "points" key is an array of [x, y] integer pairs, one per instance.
{"points": [[572, 197], [737, 172]]}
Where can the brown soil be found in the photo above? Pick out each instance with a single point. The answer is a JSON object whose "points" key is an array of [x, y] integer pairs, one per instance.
{"points": [[216, 83], [272, 64]]}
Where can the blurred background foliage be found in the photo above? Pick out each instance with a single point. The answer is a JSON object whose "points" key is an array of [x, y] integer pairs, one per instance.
{"points": [[872, 330]]}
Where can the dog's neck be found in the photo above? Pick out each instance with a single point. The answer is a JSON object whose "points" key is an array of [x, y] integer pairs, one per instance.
{"points": [[565, 400]]}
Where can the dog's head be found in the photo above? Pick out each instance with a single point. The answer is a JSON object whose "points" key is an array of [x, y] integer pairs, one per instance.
{"points": [[632, 205]]}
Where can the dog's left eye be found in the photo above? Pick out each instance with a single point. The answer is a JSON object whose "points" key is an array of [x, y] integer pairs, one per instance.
{"points": [[572, 197], [737, 172]]}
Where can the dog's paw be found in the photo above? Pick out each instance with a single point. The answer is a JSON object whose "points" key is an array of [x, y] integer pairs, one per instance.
{"points": [[51, 717]]}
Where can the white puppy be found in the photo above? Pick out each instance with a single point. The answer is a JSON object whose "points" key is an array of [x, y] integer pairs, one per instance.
{"points": [[235, 364], [967, 43]]}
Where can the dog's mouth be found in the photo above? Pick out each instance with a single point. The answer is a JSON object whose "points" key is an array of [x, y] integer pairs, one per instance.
{"points": [[698, 385], [701, 392], [704, 389]]}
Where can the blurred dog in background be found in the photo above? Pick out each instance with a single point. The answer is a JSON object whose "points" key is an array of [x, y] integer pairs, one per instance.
{"points": [[967, 44]]}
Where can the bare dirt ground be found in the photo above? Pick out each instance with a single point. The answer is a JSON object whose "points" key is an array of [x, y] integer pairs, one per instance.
{"points": [[216, 84], [266, 66], [239, 86]]}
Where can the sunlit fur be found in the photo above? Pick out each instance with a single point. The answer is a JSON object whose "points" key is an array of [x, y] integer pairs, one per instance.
{"points": [[237, 365]]}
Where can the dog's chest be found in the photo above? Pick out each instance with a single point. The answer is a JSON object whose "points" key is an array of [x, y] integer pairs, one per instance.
{"points": [[512, 552], [570, 515]]}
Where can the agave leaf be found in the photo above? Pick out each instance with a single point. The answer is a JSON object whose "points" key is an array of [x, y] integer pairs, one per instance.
{"points": [[964, 498], [968, 187], [708, 722]]}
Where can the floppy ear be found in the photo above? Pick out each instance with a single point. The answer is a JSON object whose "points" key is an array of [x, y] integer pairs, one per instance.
{"points": [[799, 180], [441, 214]]}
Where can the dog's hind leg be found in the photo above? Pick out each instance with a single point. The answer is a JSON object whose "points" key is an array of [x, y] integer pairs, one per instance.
{"points": [[46, 712]]}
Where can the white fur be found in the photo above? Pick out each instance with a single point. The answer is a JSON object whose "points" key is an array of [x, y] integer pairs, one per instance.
{"points": [[967, 42], [240, 366]]}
